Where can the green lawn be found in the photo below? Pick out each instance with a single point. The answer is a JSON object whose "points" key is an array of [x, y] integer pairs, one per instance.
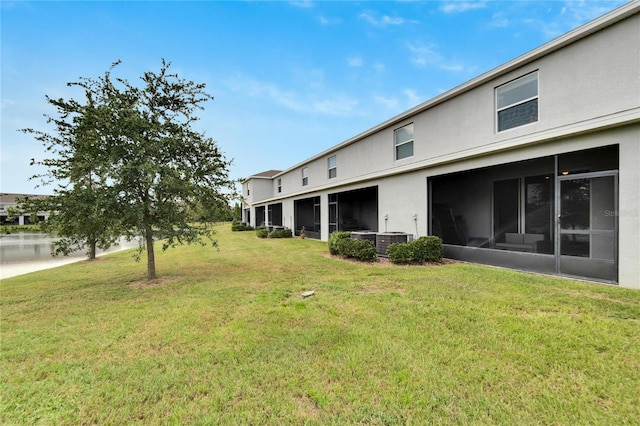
{"points": [[225, 337]]}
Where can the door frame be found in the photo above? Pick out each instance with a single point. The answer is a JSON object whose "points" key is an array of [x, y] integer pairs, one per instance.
{"points": [[558, 226]]}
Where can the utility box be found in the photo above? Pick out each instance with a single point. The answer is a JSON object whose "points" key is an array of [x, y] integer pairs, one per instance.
{"points": [[384, 239]]}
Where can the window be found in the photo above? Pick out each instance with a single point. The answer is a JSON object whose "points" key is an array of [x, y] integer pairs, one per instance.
{"points": [[279, 185], [517, 102], [305, 177], [248, 190], [333, 168], [404, 141]]}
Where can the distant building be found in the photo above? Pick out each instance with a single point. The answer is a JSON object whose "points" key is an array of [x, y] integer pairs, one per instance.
{"points": [[10, 200], [534, 165]]}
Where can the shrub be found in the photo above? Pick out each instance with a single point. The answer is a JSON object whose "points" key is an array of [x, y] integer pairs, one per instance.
{"points": [[424, 249], [262, 232], [363, 250], [236, 226], [400, 253], [281, 233], [427, 249], [333, 241]]}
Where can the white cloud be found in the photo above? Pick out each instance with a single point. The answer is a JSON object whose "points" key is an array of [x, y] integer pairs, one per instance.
{"points": [[412, 97], [314, 101], [384, 21], [556, 20], [424, 55], [329, 21], [585, 11], [389, 103], [355, 61], [305, 4], [427, 55], [498, 20], [340, 105], [462, 6]]}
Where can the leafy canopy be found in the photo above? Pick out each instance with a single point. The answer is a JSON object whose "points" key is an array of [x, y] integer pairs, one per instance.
{"points": [[133, 164]]}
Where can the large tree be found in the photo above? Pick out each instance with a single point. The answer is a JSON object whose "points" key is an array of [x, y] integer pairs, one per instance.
{"points": [[79, 167], [154, 168]]}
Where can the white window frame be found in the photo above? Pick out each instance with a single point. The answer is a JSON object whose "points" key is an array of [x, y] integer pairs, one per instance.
{"points": [[403, 143], [305, 176], [279, 182], [513, 84], [332, 171]]}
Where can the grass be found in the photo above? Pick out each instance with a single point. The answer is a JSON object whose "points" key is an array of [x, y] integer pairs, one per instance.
{"points": [[225, 337]]}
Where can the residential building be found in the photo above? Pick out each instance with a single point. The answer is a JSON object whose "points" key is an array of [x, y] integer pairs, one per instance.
{"points": [[8, 201], [534, 165]]}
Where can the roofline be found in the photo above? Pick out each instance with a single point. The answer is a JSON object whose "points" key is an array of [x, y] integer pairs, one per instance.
{"points": [[628, 9]]}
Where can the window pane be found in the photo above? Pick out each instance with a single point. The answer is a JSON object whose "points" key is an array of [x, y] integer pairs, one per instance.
{"points": [[404, 134], [576, 199], [518, 115], [332, 173], [518, 91], [574, 245], [404, 151], [332, 162], [538, 205], [505, 208]]}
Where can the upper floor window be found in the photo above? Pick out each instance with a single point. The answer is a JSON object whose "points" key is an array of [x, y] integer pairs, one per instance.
{"points": [[279, 185], [333, 167], [248, 190], [404, 141], [517, 102], [305, 176]]}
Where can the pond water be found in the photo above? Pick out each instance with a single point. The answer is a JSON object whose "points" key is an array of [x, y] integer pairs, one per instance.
{"points": [[24, 252]]}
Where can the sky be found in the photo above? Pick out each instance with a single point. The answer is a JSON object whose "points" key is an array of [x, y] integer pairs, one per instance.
{"points": [[290, 79]]}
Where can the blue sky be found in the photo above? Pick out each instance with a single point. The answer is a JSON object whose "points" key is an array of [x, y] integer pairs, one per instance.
{"points": [[290, 79]]}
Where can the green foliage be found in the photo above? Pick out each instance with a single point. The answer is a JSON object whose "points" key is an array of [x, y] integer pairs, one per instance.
{"points": [[134, 164], [334, 238], [363, 250], [424, 249], [427, 249], [400, 253], [281, 233], [262, 232], [236, 226]]}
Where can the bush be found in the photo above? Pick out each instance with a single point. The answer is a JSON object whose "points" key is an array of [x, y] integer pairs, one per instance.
{"points": [[281, 233], [424, 249], [262, 232], [400, 253], [427, 249], [333, 241], [236, 226], [363, 250]]}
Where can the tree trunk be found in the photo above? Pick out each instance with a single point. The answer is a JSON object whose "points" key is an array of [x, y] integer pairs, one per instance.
{"points": [[91, 243], [151, 260]]}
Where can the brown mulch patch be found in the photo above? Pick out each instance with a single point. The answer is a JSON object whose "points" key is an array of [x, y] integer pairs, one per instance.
{"points": [[385, 262]]}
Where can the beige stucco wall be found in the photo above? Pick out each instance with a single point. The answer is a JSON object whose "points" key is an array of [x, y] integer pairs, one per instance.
{"points": [[589, 96]]}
